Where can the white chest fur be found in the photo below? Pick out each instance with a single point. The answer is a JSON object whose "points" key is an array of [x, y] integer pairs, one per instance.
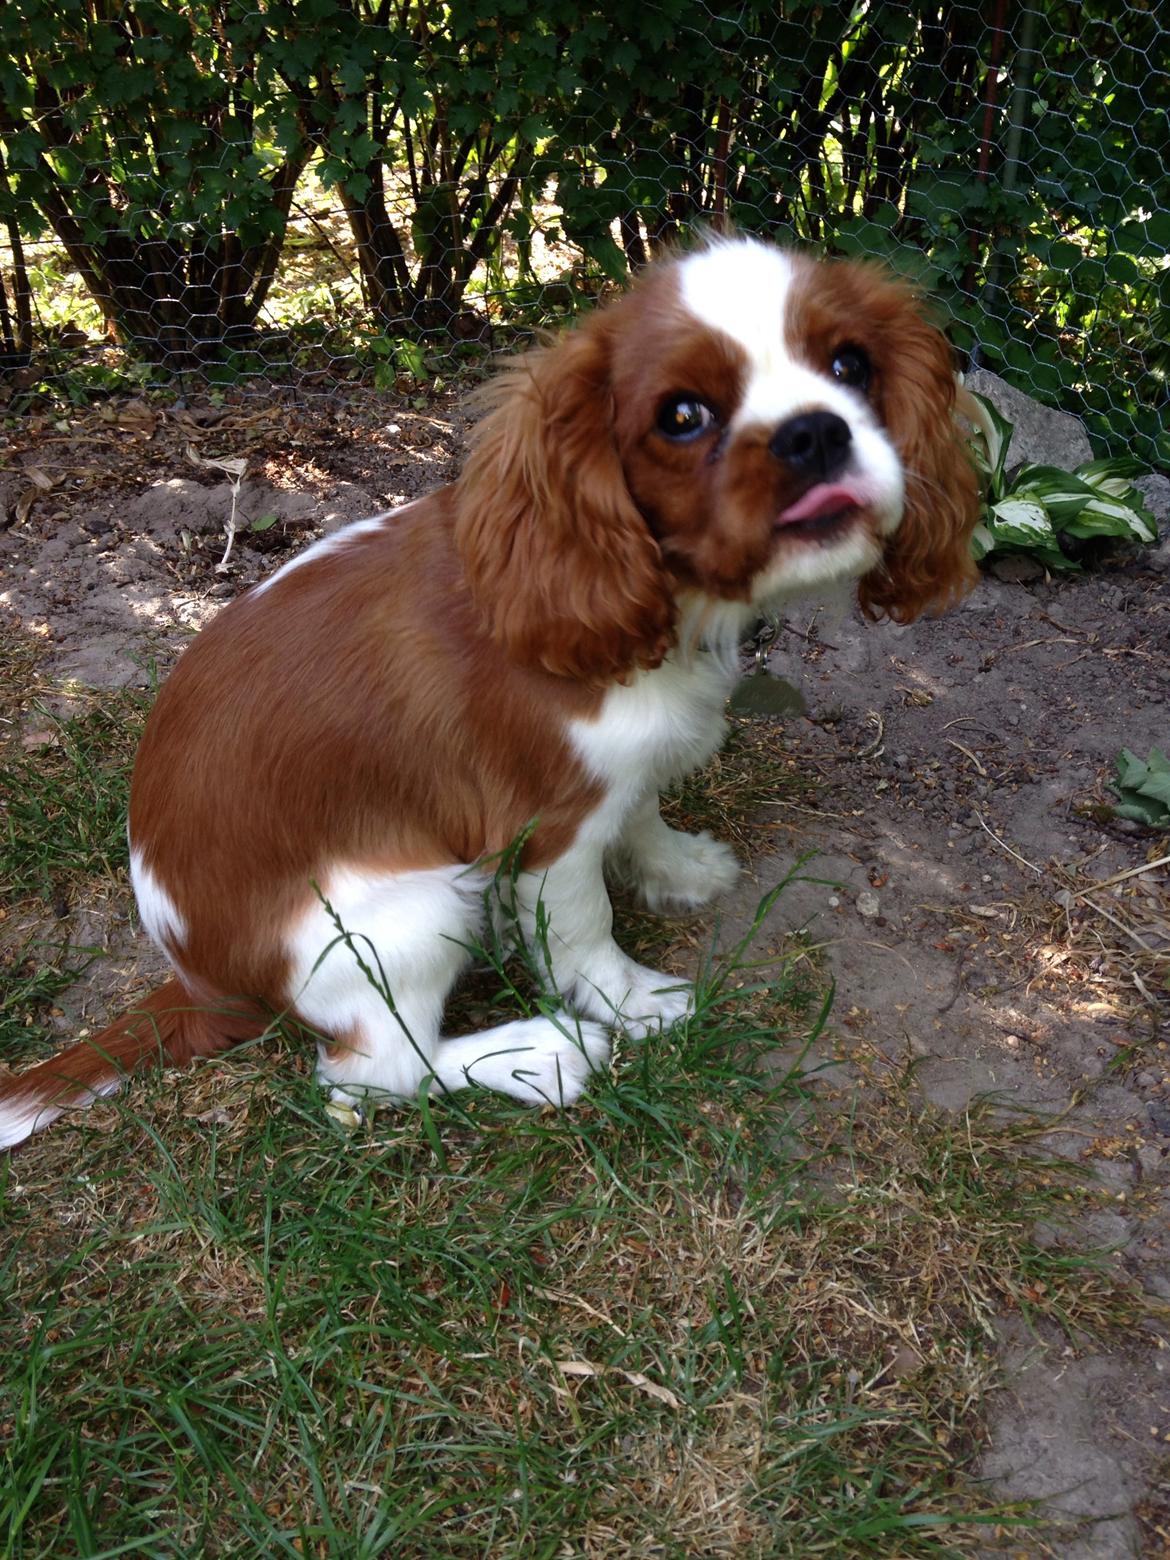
{"points": [[653, 729]]}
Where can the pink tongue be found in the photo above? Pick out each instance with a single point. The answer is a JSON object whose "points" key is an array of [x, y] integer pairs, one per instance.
{"points": [[826, 498]]}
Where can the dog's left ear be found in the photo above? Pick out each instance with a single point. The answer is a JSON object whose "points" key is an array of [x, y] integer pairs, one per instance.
{"points": [[559, 558], [927, 562]]}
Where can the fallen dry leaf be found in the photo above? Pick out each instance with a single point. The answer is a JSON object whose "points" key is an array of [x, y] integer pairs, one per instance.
{"points": [[234, 465], [138, 417], [634, 1377]]}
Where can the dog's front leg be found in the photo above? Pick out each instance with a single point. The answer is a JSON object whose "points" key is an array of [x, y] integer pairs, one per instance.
{"points": [[668, 868], [567, 923]]}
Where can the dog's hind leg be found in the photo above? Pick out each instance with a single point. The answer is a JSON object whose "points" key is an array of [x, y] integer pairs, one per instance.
{"points": [[372, 965], [375, 962]]}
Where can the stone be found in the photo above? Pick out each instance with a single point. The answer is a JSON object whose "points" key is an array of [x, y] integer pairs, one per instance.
{"points": [[1155, 489], [1041, 435], [1017, 568]]}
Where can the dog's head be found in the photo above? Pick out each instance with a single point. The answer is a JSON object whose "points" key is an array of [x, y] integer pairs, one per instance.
{"points": [[745, 425]]}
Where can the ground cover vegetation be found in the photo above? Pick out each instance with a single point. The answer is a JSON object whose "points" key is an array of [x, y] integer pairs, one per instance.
{"points": [[303, 183], [742, 1300]]}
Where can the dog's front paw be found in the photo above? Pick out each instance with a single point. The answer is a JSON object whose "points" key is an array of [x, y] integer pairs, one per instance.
{"points": [[684, 870], [659, 1005], [553, 1060], [638, 1000], [538, 1061]]}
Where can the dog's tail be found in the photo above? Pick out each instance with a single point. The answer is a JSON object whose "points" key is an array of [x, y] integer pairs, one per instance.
{"points": [[169, 1028]]}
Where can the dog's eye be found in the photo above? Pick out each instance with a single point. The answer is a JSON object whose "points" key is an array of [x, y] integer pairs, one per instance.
{"points": [[684, 417], [851, 366]]}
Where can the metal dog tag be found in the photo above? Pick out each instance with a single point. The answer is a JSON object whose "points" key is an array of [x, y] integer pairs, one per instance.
{"points": [[759, 693]]}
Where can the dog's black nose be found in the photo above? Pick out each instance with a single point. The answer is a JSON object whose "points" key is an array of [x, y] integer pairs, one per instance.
{"points": [[815, 443]]}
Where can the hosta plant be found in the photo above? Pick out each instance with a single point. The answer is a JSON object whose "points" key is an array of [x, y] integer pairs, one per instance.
{"points": [[1048, 512], [1143, 788]]}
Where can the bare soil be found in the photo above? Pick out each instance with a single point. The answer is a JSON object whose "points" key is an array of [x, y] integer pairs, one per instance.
{"points": [[964, 812], [973, 908]]}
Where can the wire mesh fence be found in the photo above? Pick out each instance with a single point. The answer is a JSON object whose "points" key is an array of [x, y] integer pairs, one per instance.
{"points": [[310, 194]]}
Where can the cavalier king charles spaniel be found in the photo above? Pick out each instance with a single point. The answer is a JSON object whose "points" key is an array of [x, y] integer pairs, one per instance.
{"points": [[339, 762]]}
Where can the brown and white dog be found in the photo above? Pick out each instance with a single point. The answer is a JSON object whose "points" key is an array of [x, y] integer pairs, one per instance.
{"points": [[546, 642]]}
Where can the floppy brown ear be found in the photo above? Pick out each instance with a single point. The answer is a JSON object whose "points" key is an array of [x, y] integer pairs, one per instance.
{"points": [[927, 562], [561, 562]]}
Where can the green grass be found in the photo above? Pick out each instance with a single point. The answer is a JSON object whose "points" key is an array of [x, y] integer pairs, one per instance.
{"points": [[32, 978], [655, 1324], [63, 815], [711, 1310], [63, 808], [742, 782]]}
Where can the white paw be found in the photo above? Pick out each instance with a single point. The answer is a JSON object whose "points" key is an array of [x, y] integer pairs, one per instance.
{"points": [[552, 1061], [684, 870], [646, 1001]]}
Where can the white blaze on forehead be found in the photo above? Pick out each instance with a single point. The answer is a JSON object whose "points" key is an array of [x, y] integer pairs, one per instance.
{"points": [[745, 289], [742, 288]]}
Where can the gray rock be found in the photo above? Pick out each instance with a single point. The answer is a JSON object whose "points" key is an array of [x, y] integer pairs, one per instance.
{"points": [[166, 508], [1151, 1158], [1155, 489], [1047, 437]]}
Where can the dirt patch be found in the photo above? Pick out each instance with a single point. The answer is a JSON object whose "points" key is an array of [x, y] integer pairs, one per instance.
{"points": [[963, 824], [983, 915], [118, 523]]}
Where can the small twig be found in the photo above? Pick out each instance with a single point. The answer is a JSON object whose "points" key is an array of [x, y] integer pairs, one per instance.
{"points": [[813, 812], [221, 566], [1083, 861], [1114, 921], [561, 1298], [1120, 877], [807, 635], [952, 743], [1039, 871], [1030, 644], [973, 720], [1065, 628], [869, 942], [235, 469]]}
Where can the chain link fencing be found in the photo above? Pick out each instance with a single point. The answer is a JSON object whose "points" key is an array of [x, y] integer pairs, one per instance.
{"points": [[305, 197]]}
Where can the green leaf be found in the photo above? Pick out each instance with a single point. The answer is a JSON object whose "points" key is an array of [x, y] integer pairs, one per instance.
{"points": [[1139, 811], [996, 433], [1112, 466], [1022, 518], [602, 248], [1143, 787], [1131, 770], [1106, 517], [982, 542]]}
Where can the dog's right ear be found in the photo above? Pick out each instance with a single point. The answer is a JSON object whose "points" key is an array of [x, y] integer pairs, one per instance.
{"points": [[556, 553]]}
